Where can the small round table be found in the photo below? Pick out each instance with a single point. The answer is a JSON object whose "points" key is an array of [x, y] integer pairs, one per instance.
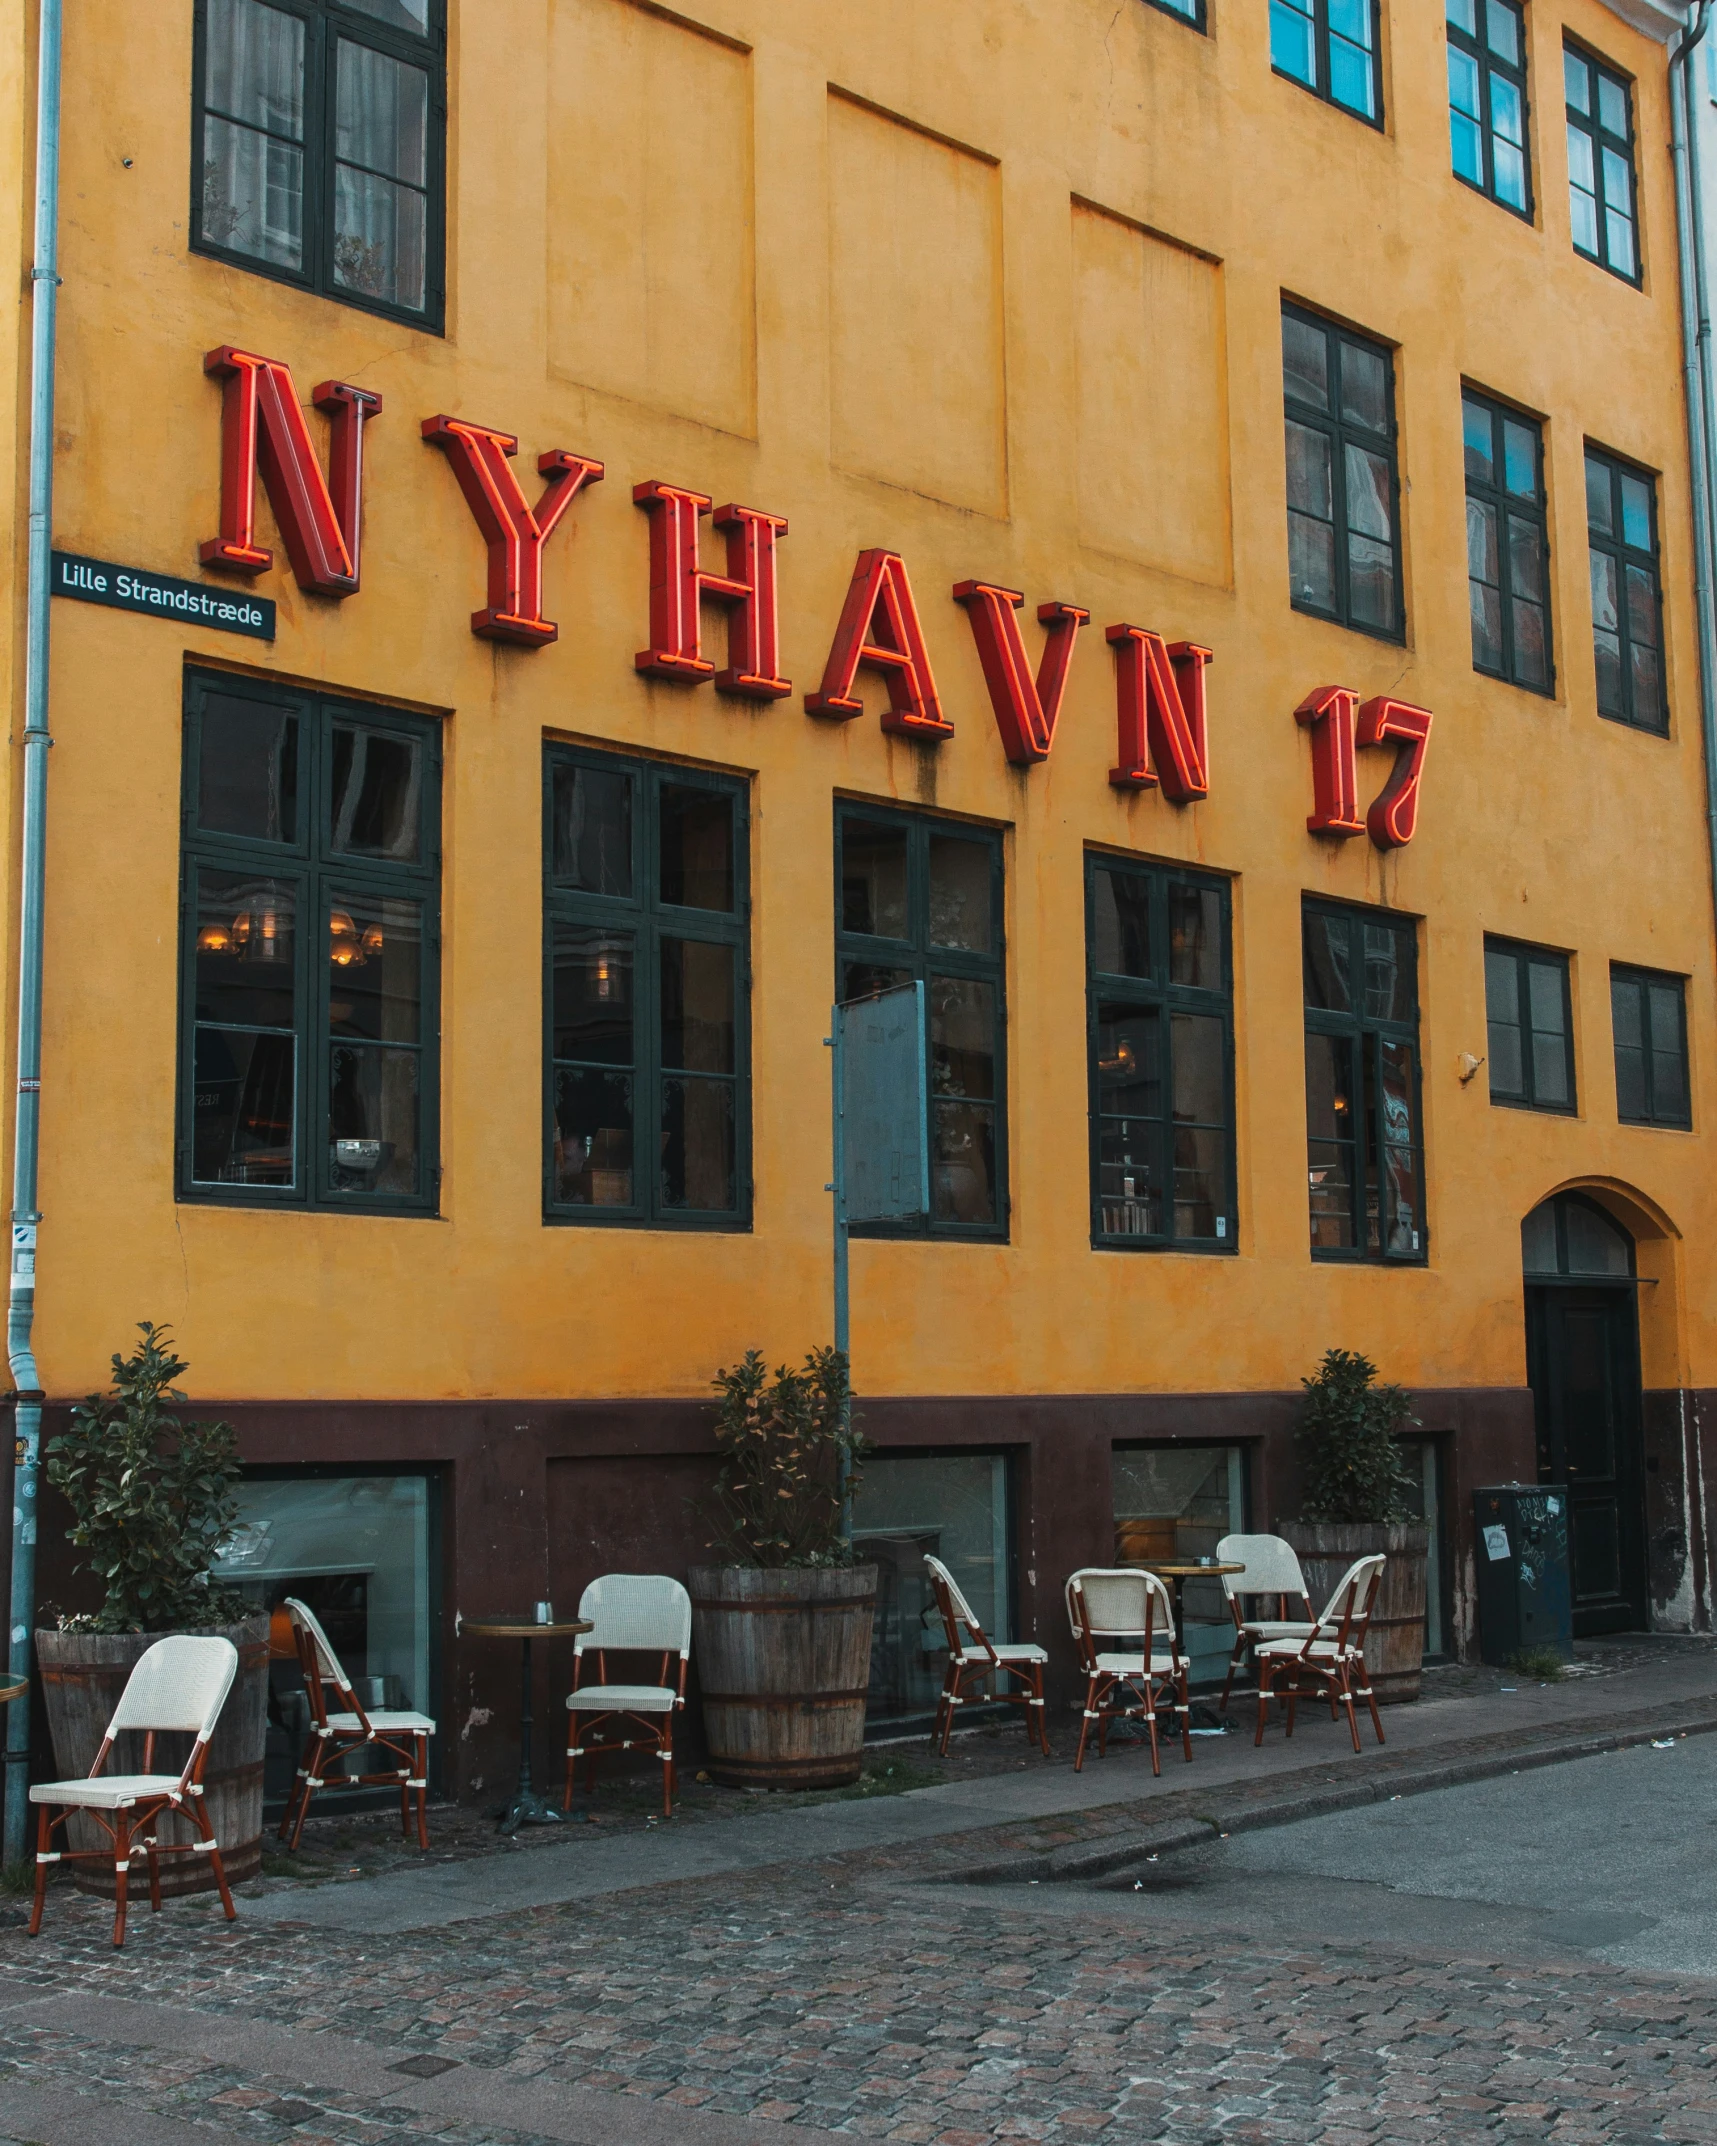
{"points": [[527, 1807], [1177, 1571], [9, 1692]]}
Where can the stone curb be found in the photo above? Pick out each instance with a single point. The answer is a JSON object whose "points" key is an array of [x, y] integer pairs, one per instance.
{"points": [[1381, 1783]]}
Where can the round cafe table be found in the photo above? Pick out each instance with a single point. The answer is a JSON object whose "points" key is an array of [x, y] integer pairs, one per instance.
{"points": [[527, 1807], [9, 1692], [1177, 1571]]}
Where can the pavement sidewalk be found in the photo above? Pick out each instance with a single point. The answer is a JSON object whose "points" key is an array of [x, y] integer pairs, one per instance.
{"points": [[1046, 1820]]}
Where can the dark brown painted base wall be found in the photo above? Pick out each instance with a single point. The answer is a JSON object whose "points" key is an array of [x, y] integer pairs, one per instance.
{"points": [[539, 1498]]}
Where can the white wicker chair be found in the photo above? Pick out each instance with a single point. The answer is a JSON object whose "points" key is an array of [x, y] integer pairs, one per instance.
{"points": [[973, 1658], [631, 1613], [1331, 1657], [178, 1687], [350, 1727], [1272, 1568], [1123, 1625]]}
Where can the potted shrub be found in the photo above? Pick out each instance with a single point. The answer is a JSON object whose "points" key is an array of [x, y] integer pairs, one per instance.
{"points": [[151, 1501], [1355, 1503], [783, 1622]]}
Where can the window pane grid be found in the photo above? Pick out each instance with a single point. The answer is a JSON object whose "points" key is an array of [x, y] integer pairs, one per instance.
{"points": [[1530, 1027], [1601, 182], [1343, 480], [1161, 1058], [1508, 544], [1330, 48], [1487, 100], [646, 1074], [320, 146], [920, 899], [1364, 1147], [1627, 593], [1648, 1017]]}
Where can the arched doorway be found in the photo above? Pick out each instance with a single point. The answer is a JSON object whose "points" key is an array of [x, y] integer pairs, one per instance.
{"points": [[1583, 1364]]}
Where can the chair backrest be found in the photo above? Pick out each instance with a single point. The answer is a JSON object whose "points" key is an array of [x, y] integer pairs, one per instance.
{"points": [[956, 1611], [320, 1664], [1120, 1602], [1272, 1568], [1347, 1613], [179, 1683], [636, 1612]]}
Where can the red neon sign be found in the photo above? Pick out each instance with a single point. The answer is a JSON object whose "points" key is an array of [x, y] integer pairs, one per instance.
{"points": [[512, 528], [263, 429], [1161, 733], [879, 604], [1394, 817], [1339, 724], [1328, 713], [680, 586], [1026, 708]]}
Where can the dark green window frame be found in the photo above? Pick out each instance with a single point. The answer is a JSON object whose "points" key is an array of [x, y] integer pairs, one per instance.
{"points": [[1168, 1201], [1648, 1024], [1603, 172], [1508, 544], [326, 24], [325, 890], [1192, 12], [1311, 43], [1364, 1108], [640, 922], [1529, 1020], [1627, 593], [873, 960], [1488, 110], [1336, 454]]}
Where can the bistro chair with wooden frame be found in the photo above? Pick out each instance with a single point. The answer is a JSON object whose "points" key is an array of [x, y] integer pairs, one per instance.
{"points": [[1272, 1568], [1331, 1657], [178, 1687], [351, 1726], [974, 1658], [1123, 1625], [629, 1613]]}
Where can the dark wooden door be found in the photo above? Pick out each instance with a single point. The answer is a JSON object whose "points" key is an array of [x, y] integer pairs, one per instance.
{"points": [[1582, 1349]]}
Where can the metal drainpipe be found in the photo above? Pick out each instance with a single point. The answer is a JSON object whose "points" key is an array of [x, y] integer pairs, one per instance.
{"points": [[1702, 446], [21, 1311]]}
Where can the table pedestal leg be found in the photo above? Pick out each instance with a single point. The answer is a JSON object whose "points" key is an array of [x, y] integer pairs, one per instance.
{"points": [[527, 1807]]}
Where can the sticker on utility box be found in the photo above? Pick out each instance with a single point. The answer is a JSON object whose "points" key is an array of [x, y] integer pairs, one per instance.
{"points": [[1496, 1544]]}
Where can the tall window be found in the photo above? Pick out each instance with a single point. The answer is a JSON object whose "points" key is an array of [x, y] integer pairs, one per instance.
{"points": [[1330, 46], [1648, 1016], [1627, 593], [1508, 543], [1344, 544], [1363, 1139], [1601, 164], [1161, 1048], [1529, 1019], [309, 956], [647, 1108], [1487, 99], [921, 898], [319, 143]]}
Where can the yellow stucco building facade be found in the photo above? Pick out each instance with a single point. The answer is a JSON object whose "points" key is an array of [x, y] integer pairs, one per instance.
{"points": [[1200, 316]]}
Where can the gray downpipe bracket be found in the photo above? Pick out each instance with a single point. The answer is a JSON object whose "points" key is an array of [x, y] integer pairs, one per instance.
{"points": [[21, 1307]]}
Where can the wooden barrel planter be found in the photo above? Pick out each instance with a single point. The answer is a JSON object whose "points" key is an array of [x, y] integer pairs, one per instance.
{"points": [[83, 1674], [784, 1662], [1395, 1645]]}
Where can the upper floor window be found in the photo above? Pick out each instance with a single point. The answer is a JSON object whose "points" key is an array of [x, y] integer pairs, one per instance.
{"points": [[319, 142], [309, 951], [1161, 1048], [1529, 1019], [1627, 593], [1364, 1146], [920, 899], [1487, 99], [1648, 1018], [1331, 47], [1508, 543], [1601, 164], [647, 1072], [1192, 11], [1344, 545]]}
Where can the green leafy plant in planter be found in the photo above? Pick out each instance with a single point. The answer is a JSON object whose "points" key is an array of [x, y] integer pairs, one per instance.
{"points": [[790, 1462], [1348, 1432], [151, 1497]]}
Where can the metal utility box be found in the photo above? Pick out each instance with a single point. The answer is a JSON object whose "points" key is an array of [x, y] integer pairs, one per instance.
{"points": [[1521, 1546]]}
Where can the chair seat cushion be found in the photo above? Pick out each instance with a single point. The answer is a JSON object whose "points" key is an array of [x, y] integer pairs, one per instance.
{"points": [[1163, 1660], [1011, 1651], [109, 1793], [1276, 1631], [384, 1723], [622, 1699], [1323, 1651]]}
